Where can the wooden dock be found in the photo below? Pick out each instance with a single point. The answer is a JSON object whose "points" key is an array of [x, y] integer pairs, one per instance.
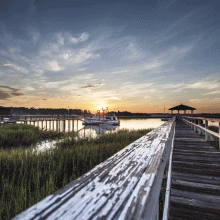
{"points": [[195, 189]]}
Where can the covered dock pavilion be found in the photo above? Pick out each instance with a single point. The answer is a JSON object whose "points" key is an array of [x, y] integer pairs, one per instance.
{"points": [[182, 108]]}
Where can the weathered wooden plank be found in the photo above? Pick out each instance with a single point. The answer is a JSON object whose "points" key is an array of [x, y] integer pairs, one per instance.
{"points": [[196, 165], [191, 213], [198, 151], [196, 178], [126, 186], [195, 192], [190, 139], [197, 158], [196, 199], [196, 187]]}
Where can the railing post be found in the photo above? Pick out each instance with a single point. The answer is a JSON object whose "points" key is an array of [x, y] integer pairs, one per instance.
{"points": [[219, 133], [64, 124], [199, 122], [194, 121], [206, 133], [68, 125]]}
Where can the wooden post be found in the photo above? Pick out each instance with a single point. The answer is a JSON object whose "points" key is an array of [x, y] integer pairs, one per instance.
{"points": [[77, 124], [49, 124], [46, 124], [219, 133], [64, 125], [206, 133], [73, 125], [53, 124], [68, 125], [199, 121], [57, 125], [42, 123]]}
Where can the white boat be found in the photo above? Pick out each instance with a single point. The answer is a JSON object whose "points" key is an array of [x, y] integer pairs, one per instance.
{"points": [[101, 119], [165, 119]]}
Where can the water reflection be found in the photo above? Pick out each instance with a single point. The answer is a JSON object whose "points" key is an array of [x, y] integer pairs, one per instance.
{"points": [[91, 131], [130, 124]]}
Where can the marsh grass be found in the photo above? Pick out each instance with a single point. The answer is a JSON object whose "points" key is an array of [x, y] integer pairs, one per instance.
{"points": [[27, 178], [23, 135]]}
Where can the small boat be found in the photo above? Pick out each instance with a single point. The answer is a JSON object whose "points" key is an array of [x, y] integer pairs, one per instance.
{"points": [[101, 118], [97, 120], [165, 119]]}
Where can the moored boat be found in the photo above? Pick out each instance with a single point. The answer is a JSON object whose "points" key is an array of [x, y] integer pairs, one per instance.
{"points": [[96, 120], [101, 118], [165, 119]]}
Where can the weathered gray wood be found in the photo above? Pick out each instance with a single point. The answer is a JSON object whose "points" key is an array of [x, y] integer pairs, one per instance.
{"points": [[195, 191], [168, 185], [196, 187], [192, 213], [196, 199], [126, 186], [207, 131], [196, 178]]}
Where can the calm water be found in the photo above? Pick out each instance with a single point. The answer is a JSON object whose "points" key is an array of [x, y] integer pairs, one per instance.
{"points": [[93, 131], [130, 124]]}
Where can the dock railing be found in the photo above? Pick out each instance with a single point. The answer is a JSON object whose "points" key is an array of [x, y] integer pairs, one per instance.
{"points": [[125, 186], [196, 124], [30, 118]]}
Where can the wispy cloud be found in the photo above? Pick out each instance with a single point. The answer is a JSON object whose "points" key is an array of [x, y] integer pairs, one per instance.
{"points": [[53, 65], [83, 37], [204, 85], [213, 93], [89, 86], [7, 92]]}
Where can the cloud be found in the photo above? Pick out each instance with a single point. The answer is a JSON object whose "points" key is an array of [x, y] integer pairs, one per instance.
{"points": [[83, 37], [35, 35], [92, 86], [204, 85], [17, 67], [120, 71], [54, 66], [7, 92], [133, 52], [213, 93]]}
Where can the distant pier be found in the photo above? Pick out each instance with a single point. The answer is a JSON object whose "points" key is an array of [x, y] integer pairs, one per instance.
{"points": [[47, 122]]}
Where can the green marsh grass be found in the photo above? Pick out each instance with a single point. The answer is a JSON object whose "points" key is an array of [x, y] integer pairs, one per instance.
{"points": [[27, 178], [23, 135]]}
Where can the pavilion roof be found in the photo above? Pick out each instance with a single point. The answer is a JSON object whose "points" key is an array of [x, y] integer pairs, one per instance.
{"points": [[182, 107]]}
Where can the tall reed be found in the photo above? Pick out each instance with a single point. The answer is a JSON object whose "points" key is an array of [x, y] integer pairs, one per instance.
{"points": [[23, 135], [27, 178]]}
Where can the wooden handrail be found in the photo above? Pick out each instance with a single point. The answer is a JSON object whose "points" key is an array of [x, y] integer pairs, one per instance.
{"points": [[125, 186], [201, 118], [199, 126]]}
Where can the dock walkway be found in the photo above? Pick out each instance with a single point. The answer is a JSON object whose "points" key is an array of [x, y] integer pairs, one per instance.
{"points": [[195, 189]]}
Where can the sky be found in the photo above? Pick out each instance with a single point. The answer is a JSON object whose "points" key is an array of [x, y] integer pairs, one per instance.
{"points": [[138, 56]]}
